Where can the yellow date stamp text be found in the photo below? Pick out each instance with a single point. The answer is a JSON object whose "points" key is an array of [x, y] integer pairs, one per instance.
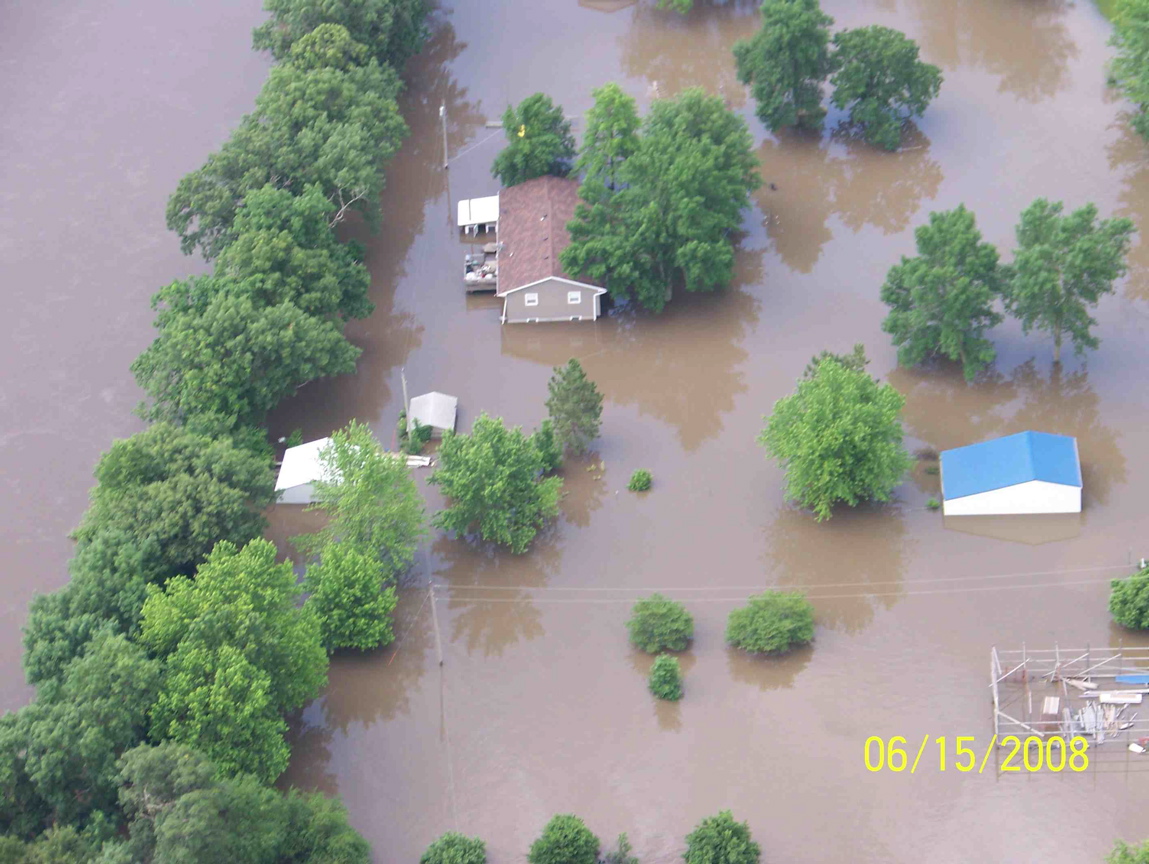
{"points": [[960, 753]]}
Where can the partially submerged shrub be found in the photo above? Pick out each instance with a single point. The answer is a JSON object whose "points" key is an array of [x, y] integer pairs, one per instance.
{"points": [[417, 438], [658, 623], [721, 840], [666, 678], [639, 481], [565, 840], [1129, 601], [455, 848], [933, 504], [772, 622]]}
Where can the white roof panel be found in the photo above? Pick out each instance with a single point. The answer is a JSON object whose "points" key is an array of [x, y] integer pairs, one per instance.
{"points": [[435, 409], [301, 464], [478, 211]]}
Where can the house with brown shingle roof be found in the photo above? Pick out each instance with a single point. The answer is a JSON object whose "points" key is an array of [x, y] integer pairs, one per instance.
{"points": [[533, 220]]}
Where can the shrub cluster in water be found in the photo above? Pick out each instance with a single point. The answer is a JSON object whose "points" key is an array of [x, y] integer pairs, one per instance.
{"points": [[772, 622], [639, 481], [666, 678], [660, 624]]}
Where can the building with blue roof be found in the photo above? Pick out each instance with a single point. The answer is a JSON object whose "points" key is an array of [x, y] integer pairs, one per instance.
{"points": [[1030, 472]]}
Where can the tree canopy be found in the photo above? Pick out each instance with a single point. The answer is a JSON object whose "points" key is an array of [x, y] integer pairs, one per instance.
{"points": [[682, 194], [1062, 268], [351, 598], [1129, 601], [221, 355], [392, 30], [721, 840], [610, 139], [942, 301], [323, 126], [493, 481], [658, 623], [565, 840], [181, 491], [1130, 67], [455, 848], [575, 406], [879, 79], [786, 62], [839, 437], [239, 653], [284, 251], [371, 501], [539, 142], [771, 623]]}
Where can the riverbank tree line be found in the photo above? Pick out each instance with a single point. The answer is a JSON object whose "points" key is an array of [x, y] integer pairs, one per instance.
{"points": [[166, 667]]}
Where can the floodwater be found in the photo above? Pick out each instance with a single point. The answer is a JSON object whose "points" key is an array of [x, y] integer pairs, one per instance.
{"points": [[540, 707]]}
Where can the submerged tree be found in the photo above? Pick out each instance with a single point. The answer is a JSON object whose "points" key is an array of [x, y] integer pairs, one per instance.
{"points": [[839, 437], [942, 302], [1130, 68], [352, 599], [565, 840], [786, 62], [1062, 267], [721, 840], [682, 196], [1129, 601], [881, 82], [575, 406], [493, 481], [539, 142], [611, 138]]}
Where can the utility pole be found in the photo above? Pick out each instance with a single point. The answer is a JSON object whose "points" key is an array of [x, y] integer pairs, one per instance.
{"points": [[406, 401], [435, 620], [443, 117]]}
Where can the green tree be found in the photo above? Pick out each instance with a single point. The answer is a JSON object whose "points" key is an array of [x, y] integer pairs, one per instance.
{"points": [[181, 491], [684, 190], [621, 853], [455, 848], [658, 623], [328, 127], [1129, 601], [721, 840], [941, 302], [242, 598], [70, 738], [1123, 854], [371, 501], [610, 139], [1129, 70], [284, 251], [881, 82], [393, 30], [328, 45], [350, 598], [221, 355], [539, 142], [57, 845], [109, 574], [575, 406], [666, 678], [1062, 267], [565, 840], [786, 62], [546, 442], [856, 360], [839, 438], [640, 481], [492, 480], [771, 623]]}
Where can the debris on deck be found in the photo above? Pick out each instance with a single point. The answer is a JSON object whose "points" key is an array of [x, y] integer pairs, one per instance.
{"points": [[481, 269]]}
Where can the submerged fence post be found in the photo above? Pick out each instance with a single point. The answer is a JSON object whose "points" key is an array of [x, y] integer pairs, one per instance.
{"points": [[435, 621]]}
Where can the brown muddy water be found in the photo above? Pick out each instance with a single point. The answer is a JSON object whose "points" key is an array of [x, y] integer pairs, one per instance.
{"points": [[540, 706]]}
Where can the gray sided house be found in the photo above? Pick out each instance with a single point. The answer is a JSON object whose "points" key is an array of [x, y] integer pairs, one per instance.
{"points": [[533, 220]]}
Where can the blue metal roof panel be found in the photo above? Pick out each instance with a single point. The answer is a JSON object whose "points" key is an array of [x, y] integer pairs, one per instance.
{"points": [[1008, 461]]}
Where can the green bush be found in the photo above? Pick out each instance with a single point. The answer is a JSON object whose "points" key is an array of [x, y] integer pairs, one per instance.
{"points": [[417, 438], [1123, 854], [639, 481], [933, 504], [454, 848], [772, 622], [1129, 601], [565, 840], [658, 623], [721, 840], [666, 678], [550, 451], [621, 854], [401, 430]]}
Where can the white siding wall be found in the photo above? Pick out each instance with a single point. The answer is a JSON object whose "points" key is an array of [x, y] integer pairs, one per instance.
{"points": [[297, 494], [1036, 496]]}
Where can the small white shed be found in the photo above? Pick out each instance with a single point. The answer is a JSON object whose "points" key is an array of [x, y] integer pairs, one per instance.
{"points": [[478, 214], [1030, 472], [300, 469], [434, 409]]}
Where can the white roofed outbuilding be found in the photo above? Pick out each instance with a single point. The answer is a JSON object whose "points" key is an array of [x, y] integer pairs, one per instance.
{"points": [[434, 409], [478, 214], [300, 469]]}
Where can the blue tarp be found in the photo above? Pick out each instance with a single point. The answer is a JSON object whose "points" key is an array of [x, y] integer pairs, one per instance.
{"points": [[1008, 461]]}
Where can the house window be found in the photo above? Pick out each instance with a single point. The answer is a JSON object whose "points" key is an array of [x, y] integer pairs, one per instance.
{"points": [[530, 299], [574, 297], [576, 317]]}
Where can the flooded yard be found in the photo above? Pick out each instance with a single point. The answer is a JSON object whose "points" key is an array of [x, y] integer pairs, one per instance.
{"points": [[540, 705]]}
